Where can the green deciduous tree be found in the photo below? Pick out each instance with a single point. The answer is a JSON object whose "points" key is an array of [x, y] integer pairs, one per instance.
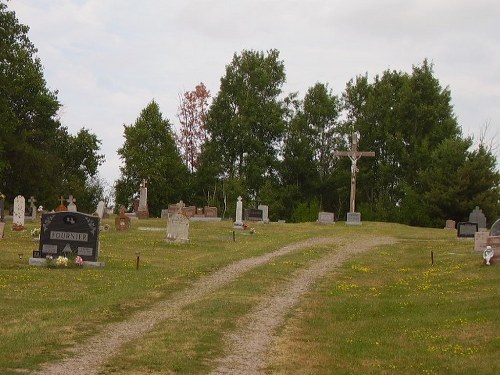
{"points": [[419, 173], [149, 152], [245, 121], [37, 155]]}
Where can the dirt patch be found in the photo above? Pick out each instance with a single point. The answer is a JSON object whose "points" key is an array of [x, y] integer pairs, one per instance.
{"points": [[247, 346]]}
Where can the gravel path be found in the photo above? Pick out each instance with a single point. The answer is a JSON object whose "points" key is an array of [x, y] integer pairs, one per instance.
{"points": [[246, 347]]}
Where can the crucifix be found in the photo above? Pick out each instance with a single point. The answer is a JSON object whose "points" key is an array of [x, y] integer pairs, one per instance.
{"points": [[354, 155]]}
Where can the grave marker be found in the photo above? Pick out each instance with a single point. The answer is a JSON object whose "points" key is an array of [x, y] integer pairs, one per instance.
{"points": [[178, 226], [326, 218], [122, 221], [477, 216], [238, 223], [142, 209], [71, 204], [265, 212], [18, 215], [466, 229], [65, 233], [354, 155]]}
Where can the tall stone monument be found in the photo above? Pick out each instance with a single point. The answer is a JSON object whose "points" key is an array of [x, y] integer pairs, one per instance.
{"points": [[238, 223], [18, 218], [142, 209]]}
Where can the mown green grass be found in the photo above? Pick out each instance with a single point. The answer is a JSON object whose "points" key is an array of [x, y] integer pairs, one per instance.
{"points": [[388, 310]]}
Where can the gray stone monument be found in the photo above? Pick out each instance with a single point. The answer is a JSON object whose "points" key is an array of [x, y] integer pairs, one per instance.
{"points": [[142, 209], [326, 217], [265, 213], [238, 223], [477, 216], [32, 201], [18, 218]]}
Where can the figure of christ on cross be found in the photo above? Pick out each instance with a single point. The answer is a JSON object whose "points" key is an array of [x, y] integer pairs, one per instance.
{"points": [[354, 155]]}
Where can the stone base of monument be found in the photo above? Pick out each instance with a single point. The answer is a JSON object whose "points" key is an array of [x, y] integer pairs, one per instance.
{"points": [[204, 218], [2, 228], [42, 262], [238, 225], [143, 214], [353, 218]]}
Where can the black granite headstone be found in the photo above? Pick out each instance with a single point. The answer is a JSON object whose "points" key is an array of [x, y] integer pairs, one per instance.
{"points": [[65, 231], [252, 214], [467, 229]]}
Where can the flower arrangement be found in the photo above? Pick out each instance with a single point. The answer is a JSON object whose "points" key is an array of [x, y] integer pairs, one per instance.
{"points": [[63, 262]]}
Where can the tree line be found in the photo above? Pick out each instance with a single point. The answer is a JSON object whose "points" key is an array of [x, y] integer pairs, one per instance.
{"points": [[38, 156], [252, 139], [255, 141]]}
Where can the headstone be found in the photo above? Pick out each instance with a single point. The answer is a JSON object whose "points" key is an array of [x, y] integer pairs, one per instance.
{"points": [[480, 240], [495, 228], [33, 209], [164, 213], [18, 214], [252, 214], [450, 224], [142, 209], [477, 216], [61, 206], [466, 229], [210, 211], [2, 207], [238, 223], [63, 233], [178, 226], [71, 204], [494, 239], [353, 218], [326, 218], [265, 212], [100, 209], [122, 221]]}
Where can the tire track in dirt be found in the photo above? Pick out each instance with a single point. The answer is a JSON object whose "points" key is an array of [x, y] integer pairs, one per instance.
{"points": [[88, 357], [248, 346]]}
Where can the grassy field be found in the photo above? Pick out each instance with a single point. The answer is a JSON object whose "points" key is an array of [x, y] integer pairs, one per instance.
{"points": [[386, 311]]}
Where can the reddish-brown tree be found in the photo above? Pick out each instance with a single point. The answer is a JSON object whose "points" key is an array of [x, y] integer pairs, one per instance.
{"points": [[192, 114]]}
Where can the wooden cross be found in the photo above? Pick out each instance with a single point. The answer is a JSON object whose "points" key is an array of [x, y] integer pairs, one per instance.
{"points": [[354, 155]]}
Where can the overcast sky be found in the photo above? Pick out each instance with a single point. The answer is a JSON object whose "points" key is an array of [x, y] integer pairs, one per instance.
{"points": [[110, 58]]}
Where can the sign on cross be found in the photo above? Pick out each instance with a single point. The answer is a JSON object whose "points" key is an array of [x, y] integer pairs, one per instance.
{"points": [[354, 155]]}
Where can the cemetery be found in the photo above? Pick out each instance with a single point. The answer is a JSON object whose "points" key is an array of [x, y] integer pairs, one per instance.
{"points": [[141, 270], [260, 232]]}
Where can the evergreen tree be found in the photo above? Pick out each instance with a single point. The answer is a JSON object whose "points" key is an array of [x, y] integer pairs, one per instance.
{"points": [[149, 152]]}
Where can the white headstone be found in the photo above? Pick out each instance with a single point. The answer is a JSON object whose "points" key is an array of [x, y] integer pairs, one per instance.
{"points": [[100, 209], [239, 214], [71, 204], [178, 226], [143, 197], [19, 208], [265, 212]]}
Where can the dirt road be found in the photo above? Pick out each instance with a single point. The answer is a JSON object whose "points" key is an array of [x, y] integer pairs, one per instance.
{"points": [[246, 347]]}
